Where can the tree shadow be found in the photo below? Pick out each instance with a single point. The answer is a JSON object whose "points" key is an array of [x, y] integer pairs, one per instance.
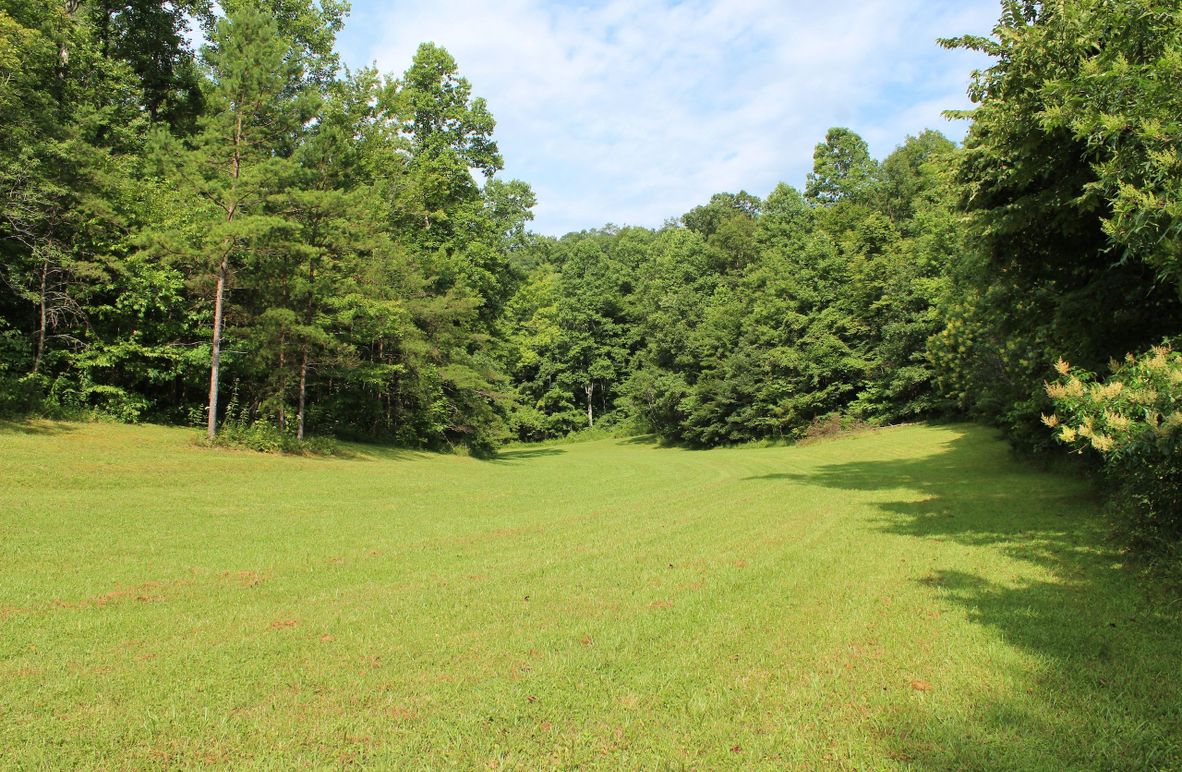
{"points": [[971, 490], [317, 448], [643, 439], [1106, 691], [34, 426], [779, 476], [524, 454]]}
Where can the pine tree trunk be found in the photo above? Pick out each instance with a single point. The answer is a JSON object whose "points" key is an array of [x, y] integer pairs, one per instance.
{"points": [[383, 394], [282, 412], [303, 392], [304, 352], [215, 358], [589, 388]]}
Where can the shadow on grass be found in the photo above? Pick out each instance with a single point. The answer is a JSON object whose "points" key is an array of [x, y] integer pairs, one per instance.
{"points": [[642, 439], [524, 454], [35, 427], [352, 450], [317, 448], [1106, 690]]}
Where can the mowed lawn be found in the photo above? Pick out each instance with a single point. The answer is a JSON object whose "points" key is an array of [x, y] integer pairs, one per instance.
{"points": [[910, 598]]}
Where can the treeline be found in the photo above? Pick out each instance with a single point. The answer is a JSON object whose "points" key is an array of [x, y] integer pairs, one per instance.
{"points": [[249, 237], [315, 238], [749, 319]]}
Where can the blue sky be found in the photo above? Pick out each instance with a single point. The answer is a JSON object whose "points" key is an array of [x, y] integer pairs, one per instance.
{"points": [[634, 111]]}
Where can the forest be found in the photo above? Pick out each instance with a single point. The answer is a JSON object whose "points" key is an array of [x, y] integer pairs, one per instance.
{"points": [[241, 234]]}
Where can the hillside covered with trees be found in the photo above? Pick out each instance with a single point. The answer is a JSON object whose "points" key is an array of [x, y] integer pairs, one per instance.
{"points": [[251, 238]]}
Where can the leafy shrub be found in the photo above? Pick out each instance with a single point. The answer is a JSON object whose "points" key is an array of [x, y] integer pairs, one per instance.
{"points": [[1133, 421], [114, 402], [243, 428], [21, 395], [265, 437], [831, 426], [260, 435]]}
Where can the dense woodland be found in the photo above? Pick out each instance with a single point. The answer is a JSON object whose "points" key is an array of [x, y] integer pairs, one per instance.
{"points": [[251, 238]]}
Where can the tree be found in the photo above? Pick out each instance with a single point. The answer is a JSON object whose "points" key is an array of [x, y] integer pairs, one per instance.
{"points": [[673, 289], [256, 106], [727, 224], [592, 346], [448, 132], [842, 169], [1120, 98], [310, 26], [1042, 280], [151, 37], [67, 114]]}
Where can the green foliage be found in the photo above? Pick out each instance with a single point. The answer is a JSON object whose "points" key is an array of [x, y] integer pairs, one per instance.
{"points": [[263, 436], [22, 395], [1133, 420], [150, 38], [1042, 279], [842, 169], [310, 26], [572, 335], [810, 308], [139, 178], [1121, 101], [727, 224]]}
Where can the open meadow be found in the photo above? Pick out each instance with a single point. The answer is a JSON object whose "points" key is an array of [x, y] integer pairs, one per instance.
{"points": [[912, 597]]}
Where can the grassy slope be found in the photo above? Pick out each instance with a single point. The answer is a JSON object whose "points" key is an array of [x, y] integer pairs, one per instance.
{"points": [[909, 597]]}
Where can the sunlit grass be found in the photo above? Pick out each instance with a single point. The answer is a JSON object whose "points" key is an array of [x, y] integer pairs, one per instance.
{"points": [[911, 597]]}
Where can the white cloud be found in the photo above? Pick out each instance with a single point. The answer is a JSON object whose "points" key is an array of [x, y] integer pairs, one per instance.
{"points": [[633, 111]]}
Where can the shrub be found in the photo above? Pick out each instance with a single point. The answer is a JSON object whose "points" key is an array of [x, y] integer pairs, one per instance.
{"points": [[1133, 421], [21, 395], [831, 426]]}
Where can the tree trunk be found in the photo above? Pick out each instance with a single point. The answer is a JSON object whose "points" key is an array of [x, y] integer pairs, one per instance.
{"points": [[282, 412], [589, 388], [43, 319], [63, 49], [215, 357], [304, 351], [303, 391]]}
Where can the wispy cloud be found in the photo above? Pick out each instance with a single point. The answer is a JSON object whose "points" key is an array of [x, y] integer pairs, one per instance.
{"points": [[634, 111]]}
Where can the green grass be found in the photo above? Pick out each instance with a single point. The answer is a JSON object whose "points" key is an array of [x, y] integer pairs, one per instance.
{"points": [[906, 598]]}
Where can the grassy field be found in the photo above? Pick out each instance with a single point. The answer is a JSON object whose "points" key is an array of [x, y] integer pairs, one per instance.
{"points": [[907, 598]]}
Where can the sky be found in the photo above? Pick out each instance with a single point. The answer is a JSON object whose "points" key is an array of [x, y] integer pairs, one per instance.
{"points": [[632, 112]]}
